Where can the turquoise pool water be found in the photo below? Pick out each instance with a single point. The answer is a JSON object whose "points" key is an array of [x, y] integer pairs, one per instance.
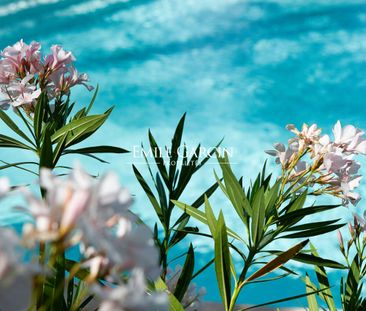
{"points": [[240, 69]]}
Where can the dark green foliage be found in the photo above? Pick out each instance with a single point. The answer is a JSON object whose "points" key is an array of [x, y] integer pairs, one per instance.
{"points": [[169, 180]]}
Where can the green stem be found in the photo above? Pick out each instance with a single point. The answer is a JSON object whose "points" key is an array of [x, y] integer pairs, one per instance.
{"points": [[240, 284], [234, 297]]}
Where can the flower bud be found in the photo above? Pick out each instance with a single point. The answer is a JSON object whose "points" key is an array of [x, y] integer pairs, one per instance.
{"points": [[340, 241], [351, 230]]}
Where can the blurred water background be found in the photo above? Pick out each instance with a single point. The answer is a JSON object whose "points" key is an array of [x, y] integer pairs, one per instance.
{"points": [[241, 69]]}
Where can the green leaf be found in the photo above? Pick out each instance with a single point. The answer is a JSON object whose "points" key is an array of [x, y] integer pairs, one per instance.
{"points": [[92, 101], [181, 232], [79, 114], [258, 216], [161, 192], [312, 225], [39, 112], [211, 220], [317, 261], [9, 142], [223, 261], [234, 190], [174, 151], [295, 216], [8, 165], [200, 200], [282, 300], [201, 216], [209, 155], [352, 285], [97, 149], [59, 149], [11, 124], [311, 297], [186, 275], [186, 173], [277, 262], [174, 304], [270, 197], [322, 277], [46, 153], [313, 232], [149, 194], [298, 203], [80, 129], [158, 159]]}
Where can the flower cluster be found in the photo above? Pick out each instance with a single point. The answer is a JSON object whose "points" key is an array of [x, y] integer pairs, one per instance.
{"points": [[114, 245], [312, 159], [24, 74], [192, 297]]}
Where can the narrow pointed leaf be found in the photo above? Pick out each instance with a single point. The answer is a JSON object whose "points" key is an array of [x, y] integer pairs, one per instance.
{"points": [[312, 232], [278, 261], [311, 297], [323, 281], [92, 100], [158, 159], [10, 142], [174, 151], [282, 300], [211, 220], [201, 216], [11, 124], [98, 149], [223, 261], [148, 192], [258, 216], [186, 275]]}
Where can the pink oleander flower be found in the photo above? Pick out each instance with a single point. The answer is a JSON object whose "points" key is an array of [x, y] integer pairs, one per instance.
{"points": [[320, 148], [312, 160], [24, 74], [307, 134], [131, 296], [349, 138], [340, 164], [59, 58], [192, 298], [283, 155], [64, 79], [7, 71], [22, 92], [23, 57]]}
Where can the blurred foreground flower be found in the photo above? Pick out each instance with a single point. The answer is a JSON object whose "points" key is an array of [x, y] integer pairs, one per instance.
{"points": [[15, 276], [115, 246], [131, 296]]}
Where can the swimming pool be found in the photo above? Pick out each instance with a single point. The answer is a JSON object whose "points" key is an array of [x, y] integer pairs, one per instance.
{"points": [[240, 69]]}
